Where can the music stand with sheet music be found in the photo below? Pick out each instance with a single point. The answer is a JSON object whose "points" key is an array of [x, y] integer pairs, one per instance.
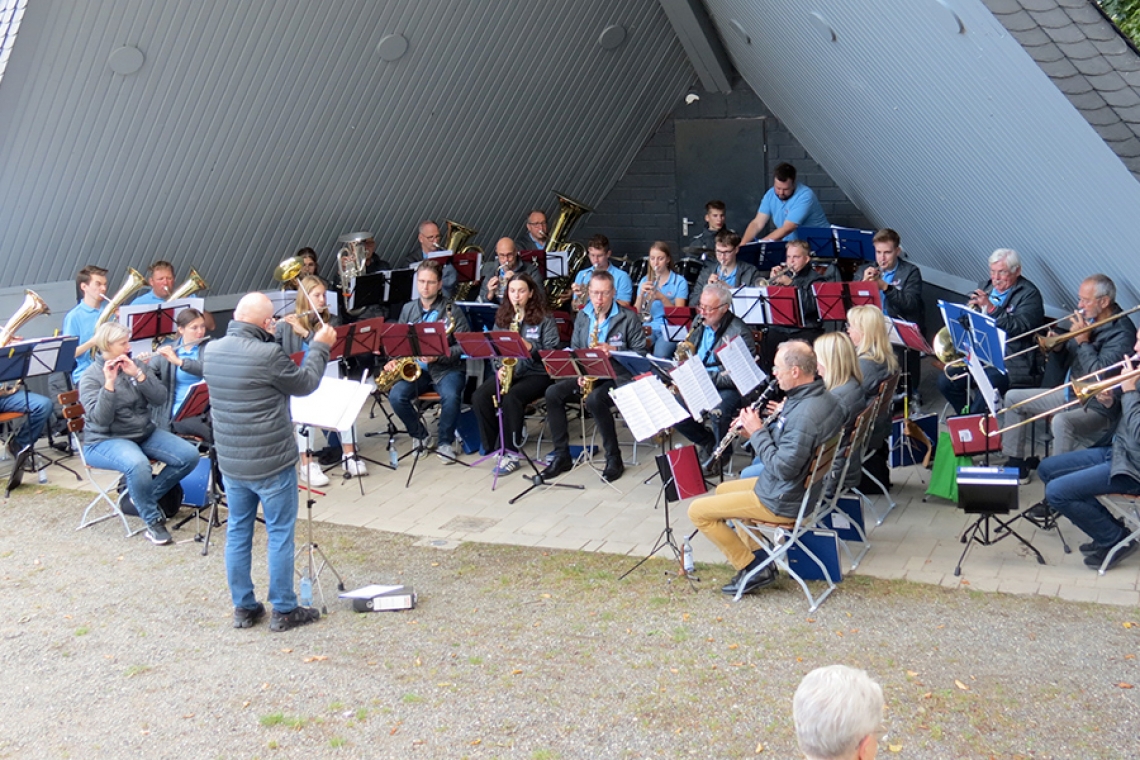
{"points": [[501, 344], [480, 316], [650, 409], [763, 254], [835, 299]]}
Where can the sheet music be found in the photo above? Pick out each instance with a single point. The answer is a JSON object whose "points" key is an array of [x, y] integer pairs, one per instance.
{"points": [[696, 387], [985, 387], [647, 407], [438, 254], [556, 263], [283, 301], [740, 366], [750, 305], [334, 405]]}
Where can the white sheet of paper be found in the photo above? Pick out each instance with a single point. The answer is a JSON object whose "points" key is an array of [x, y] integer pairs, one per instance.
{"points": [[696, 387], [985, 387], [284, 301], [334, 405], [367, 592], [740, 366], [556, 263], [438, 254], [647, 407], [747, 304]]}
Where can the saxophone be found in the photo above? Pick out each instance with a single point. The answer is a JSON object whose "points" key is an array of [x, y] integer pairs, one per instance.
{"points": [[589, 380], [507, 368], [405, 369]]}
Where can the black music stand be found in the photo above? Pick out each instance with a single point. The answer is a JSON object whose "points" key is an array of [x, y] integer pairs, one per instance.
{"points": [[360, 339], [763, 254], [50, 355], [989, 492], [501, 344]]}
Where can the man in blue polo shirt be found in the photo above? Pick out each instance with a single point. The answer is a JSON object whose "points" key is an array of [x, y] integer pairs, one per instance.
{"points": [[80, 321], [598, 248], [160, 277], [788, 205]]}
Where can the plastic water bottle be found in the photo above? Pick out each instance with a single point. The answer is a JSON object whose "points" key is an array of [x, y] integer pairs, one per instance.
{"points": [[306, 591], [687, 554], [42, 475], [393, 457]]}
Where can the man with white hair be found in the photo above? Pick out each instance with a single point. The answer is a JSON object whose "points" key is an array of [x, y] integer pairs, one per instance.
{"points": [[839, 714]]}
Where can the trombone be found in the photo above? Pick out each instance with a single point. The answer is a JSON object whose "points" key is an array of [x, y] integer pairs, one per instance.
{"points": [[1083, 389], [1047, 343]]}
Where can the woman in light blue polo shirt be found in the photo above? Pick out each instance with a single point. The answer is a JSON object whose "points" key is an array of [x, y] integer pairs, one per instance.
{"points": [[661, 287]]}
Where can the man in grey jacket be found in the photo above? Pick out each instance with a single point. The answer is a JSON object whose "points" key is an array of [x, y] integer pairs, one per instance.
{"points": [[251, 379], [787, 447]]}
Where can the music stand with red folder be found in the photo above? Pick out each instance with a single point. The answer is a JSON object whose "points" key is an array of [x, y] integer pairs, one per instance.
{"points": [[835, 299], [784, 307], [153, 324], [581, 362], [356, 339]]}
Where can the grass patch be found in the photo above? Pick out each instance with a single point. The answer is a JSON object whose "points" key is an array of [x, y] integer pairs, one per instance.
{"points": [[82, 630], [136, 670], [411, 699]]}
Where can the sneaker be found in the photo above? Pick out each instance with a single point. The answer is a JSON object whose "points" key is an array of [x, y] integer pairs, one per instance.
{"points": [[423, 444], [446, 453], [1023, 473], [355, 467], [1088, 548], [1095, 559], [283, 621], [314, 474], [507, 466], [246, 618], [158, 535]]}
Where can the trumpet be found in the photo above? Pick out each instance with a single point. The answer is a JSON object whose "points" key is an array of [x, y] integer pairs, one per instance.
{"points": [[778, 272], [1084, 392], [647, 299], [735, 428]]}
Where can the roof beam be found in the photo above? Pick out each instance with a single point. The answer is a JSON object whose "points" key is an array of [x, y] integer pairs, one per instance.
{"points": [[702, 44]]}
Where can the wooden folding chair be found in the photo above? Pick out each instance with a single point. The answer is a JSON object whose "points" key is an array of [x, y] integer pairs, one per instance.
{"points": [[776, 539], [828, 515], [882, 407]]}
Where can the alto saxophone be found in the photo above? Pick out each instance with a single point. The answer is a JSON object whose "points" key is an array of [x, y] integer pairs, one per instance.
{"points": [[589, 380], [687, 347], [405, 369], [507, 368]]}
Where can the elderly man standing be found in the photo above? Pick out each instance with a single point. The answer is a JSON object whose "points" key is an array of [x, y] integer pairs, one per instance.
{"points": [[786, 446], [251, 379], [839, 714]]}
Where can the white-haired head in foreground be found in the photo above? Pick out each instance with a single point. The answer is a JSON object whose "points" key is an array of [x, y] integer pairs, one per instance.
{"points": [[838, 713]]}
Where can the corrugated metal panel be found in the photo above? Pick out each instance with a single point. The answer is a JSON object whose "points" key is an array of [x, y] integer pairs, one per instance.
{"points": [[958, 141], [255, 128]]}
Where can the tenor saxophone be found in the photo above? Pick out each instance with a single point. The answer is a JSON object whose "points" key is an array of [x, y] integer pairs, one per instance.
{"points": [[589, 380], [507, 368]]}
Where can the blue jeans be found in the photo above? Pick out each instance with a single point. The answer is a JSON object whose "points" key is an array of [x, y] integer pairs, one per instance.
{"points": [[133, 460], [450, 390], [1072, 483], [278, 497], [663, 347], [37, 407]]}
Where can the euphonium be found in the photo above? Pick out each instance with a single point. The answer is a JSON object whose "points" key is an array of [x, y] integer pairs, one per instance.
{"points": [[193, 284], [687, 347], [132, 284], [569, 212], [350, 260], [405, 369], [33, 306]]}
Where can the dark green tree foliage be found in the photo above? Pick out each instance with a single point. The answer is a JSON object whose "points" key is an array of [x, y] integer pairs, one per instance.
{"points": [[1126, 15]]}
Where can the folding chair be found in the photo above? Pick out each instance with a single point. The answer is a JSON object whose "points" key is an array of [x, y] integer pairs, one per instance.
{"points": [[1127, 508], [776, 539], [828, 516], [882, 407], [8, 430], [73, 412]]}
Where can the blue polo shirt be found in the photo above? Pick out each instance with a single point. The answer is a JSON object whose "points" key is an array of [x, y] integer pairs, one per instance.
{"points": [[147, 298], [623, 286], [675, 287], [802, 208], [80, 321]]}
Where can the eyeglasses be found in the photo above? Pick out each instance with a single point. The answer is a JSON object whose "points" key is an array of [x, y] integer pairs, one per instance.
{"points": [[536, 224], [718, 307]]}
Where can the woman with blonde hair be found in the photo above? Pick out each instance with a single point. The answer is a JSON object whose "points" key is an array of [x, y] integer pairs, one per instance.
{"points": [[868, 330]]}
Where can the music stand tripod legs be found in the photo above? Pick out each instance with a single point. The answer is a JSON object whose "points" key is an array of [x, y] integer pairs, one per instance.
{"points": [[538, 480], [981, 532], [311, 547]]}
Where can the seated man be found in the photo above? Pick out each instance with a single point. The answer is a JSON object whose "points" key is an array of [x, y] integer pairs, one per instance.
{"points": [[1093, 350], [446, 375], [598, 249], [796, 272], [1015, 304], [428, 240], [719, 327], [1074, 480], [900, 286], [498, 271], [839, 714], [604, 325], [17, 398], [534, 238], [704, 242], [725, 268], [788, 206], [786, 447]]}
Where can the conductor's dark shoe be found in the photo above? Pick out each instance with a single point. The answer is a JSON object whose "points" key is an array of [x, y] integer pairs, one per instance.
{"points": [[614, 469], [246, 618], [561, 463], [1040, 511], [283, 621]]}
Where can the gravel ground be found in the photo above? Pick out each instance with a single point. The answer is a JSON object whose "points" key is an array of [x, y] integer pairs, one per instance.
{"points": [[115, 648]]}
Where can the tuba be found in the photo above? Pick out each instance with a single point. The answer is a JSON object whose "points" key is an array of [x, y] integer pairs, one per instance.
{"points": [[129, 287], [569, 212], [457, 236], [193, 284], [33, 306], [350, 259]]}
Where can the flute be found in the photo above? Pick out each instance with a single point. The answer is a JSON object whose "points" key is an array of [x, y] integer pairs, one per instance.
{"points": [[146, 356]]}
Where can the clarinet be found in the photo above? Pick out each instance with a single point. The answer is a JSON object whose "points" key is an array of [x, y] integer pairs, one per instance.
{"points": [[734, 430]]}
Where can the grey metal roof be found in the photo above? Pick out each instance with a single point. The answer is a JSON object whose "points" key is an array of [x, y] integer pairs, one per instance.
{"points": [[255, 128], [1088, 59]]}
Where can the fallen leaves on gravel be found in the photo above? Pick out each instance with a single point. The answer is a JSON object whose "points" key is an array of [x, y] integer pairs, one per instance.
{"points": [[961, 685], [316, 658], [1124, 685]]}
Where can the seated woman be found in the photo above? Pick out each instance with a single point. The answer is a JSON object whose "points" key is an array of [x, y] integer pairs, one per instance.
{"points": [[179, 368], [524, 311], [661, 287], [119, 396], [304, 323], [868, 330]]}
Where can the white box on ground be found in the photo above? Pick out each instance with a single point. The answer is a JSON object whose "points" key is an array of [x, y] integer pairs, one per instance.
{"points": [[376, 598]]}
